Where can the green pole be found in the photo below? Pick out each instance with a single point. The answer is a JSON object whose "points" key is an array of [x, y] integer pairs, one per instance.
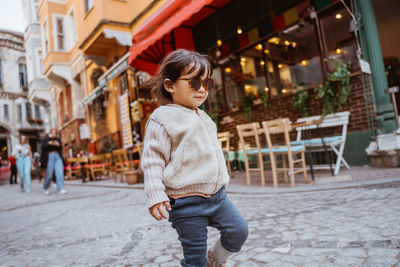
{"points": [[372, 52]]}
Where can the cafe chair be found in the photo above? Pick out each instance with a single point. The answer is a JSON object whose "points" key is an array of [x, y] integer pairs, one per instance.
{"points": [[73, 168], [224, 140], [290, 162], [97, 166], [249, 138]]}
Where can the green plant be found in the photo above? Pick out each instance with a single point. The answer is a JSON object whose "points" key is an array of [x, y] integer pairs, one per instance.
{"points": [[299, 99], [263, 96], [31, 120], [336, 90], [247, 104]]}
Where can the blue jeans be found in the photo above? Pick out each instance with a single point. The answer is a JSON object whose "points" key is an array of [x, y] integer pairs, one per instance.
{"points": [[54, 163], [24, 170], [190, 216]]}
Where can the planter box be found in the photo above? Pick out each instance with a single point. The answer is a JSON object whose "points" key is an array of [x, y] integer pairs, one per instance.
{"points": [[384, 159], [132, 177]]}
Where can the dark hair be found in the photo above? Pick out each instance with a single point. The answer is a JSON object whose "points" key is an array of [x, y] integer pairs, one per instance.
{"points": [[174, 66]]}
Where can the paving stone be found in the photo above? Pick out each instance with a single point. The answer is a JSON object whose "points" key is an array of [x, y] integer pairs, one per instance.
{"points": [[111, 227]]}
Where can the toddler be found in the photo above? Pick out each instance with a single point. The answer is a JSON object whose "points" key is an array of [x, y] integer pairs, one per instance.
{"points": [[184, 166]]}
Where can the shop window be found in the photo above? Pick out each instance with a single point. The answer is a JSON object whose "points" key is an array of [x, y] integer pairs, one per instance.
{"points": [[340, 42], [293, 57], [216, 97]]}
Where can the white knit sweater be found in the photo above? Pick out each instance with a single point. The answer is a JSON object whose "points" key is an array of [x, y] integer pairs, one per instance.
{"points": [[181, 154]]}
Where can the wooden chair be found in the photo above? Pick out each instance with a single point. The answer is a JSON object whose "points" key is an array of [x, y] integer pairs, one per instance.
{"points": [[121, 163], [97, 166], [73, 168], [224, 140], [286, 151], [108, 162], [252, 131]]}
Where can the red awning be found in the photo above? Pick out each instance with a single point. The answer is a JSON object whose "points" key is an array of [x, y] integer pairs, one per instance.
{"points": [[161, 23]]}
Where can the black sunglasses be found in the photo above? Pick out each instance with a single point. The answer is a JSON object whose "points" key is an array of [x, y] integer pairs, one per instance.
{"points": [[195, 83]]}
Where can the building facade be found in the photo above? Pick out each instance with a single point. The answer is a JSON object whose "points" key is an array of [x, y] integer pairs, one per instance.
{"points": [[85, 46], [18, 114], [276, 48], [38, 87]]}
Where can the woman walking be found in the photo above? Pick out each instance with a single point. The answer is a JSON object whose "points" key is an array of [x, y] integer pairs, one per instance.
{"points": [[23, 155]]}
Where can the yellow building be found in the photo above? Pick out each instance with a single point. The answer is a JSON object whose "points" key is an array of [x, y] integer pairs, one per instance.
{"points": [[85, 49]]}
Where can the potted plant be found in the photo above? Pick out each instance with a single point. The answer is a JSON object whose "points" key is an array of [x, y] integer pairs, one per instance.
{"points": [[39, 121], [31, 120], [299, 98], [247, 104], [132, 177], [336, 90]]}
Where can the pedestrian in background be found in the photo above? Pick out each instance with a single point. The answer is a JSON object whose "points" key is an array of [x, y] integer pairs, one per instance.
{"points": [[23, 155], [184, 166], [13, 166], [52, 161]]}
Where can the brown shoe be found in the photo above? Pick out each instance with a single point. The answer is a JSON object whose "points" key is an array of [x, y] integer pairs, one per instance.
{"points": [[212, 261]]}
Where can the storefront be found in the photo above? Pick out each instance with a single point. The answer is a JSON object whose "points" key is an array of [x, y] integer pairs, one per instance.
{"points": [[270, 50]]}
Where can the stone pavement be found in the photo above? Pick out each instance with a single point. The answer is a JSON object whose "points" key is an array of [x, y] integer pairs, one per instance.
{"points": [[103, 226]]}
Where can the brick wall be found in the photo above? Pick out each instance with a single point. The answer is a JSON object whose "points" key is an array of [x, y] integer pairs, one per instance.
{"points": [[281, 107]]}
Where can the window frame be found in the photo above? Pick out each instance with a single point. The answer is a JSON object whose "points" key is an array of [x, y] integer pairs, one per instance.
{"points": [[56, 34], [24, 81]]}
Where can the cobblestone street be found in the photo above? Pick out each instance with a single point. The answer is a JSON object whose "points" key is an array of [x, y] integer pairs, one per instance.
{"points": [[94, 226]]}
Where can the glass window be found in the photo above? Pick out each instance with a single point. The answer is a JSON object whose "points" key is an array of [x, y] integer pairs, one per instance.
{"points": [[60, 33], [216, 97], [88, 5], [340, 43], [19, 113], [28, 110], [6, 113], [38, 116], [22, 75], [293, 57]]}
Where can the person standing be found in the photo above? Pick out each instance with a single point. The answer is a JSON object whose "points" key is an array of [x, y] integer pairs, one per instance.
{"points": [[184, 166], [23, 155], [13, 165], [52, 161]]}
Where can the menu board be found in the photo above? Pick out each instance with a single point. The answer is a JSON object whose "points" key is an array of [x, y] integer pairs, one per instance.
{"points": [[126, 127]]}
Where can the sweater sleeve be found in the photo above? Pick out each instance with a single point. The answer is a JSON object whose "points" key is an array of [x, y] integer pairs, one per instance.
{"points": [[156, 154]]}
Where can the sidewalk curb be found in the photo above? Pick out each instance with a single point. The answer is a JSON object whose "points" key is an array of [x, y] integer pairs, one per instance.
{"points": [[252, 190]]}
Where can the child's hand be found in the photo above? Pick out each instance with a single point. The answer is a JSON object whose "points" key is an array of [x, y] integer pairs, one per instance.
{"points": [[157, 210]]}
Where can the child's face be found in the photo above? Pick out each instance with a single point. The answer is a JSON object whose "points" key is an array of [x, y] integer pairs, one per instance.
{"points": [[183, 95]]}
